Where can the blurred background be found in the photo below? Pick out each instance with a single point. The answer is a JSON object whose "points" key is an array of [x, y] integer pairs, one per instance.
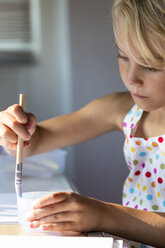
{"points": [[61, 53]]}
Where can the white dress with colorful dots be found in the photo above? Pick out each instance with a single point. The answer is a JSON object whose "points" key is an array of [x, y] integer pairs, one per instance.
{"points": [[144, 187]]}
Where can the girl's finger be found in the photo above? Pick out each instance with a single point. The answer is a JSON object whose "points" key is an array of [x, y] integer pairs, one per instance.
{"points": [[12, 146], [50, 199], [10, 122], [8, 145], [7, 134], [54, 218], [62, 226], [47, 211], [18, 113], [65, 229], [31, 123]]}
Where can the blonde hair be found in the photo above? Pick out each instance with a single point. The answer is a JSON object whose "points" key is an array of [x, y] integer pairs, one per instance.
{"points": [[144, 29]]}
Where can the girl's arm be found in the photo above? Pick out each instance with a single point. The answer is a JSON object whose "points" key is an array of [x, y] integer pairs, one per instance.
{"points": [[138, 225], [98, 117], [71, 212]]}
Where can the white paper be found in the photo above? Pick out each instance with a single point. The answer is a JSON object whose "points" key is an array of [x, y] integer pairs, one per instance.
{"points": [[8, 208], [58, 242]]}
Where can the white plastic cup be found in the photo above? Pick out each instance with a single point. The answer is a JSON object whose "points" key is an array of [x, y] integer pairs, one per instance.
{"points": [[24, 205]]}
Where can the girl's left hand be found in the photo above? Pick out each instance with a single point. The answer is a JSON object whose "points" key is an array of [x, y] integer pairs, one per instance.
{"points": [[67, 211]]}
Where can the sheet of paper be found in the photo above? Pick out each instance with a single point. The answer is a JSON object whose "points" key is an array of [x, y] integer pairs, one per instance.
{"points": [[50, 241], [8, 208]]}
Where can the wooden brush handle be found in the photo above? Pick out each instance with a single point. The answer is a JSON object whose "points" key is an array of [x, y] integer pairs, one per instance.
{"points": [[22, 101]]}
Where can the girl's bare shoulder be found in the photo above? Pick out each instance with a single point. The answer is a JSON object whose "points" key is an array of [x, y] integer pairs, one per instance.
{"points": [[119, 105], [107, 112]]}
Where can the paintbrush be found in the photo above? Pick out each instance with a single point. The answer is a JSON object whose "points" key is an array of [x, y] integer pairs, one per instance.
{"points": [[19, 155]]}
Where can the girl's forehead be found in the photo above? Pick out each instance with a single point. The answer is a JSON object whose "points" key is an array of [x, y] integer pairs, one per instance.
{"points": [[128, 48], [131, 52], [120, 34], [121, 39]]}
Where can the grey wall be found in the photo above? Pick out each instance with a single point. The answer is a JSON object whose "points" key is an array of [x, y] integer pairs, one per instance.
{"points": [[99, 165], [78, 63]]}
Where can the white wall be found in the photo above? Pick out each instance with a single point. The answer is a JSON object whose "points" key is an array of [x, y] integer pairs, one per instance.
{"points": [[46, 82]]}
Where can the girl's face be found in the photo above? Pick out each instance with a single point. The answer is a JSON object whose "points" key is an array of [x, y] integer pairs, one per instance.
{"points": [[146, 84]]}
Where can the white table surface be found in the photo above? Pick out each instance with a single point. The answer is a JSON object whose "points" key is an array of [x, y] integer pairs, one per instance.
{"points": [[42, 182]]}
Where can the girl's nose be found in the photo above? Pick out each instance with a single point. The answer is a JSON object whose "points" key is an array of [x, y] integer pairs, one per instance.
{"points": [[134, 75]]}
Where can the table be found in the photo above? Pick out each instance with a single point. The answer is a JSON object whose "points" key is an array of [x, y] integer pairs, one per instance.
{"points": [[56, 183]]}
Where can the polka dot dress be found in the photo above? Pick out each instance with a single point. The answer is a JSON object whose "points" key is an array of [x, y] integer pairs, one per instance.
{"points": [[144, 187]]}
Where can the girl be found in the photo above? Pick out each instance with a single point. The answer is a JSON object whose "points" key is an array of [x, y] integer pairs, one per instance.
{"points": [[139, 27]]}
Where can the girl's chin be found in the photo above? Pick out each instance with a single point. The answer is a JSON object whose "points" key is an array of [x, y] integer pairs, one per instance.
{"points": [[145, 106]]}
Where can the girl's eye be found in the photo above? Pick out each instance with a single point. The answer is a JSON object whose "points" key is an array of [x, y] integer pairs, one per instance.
{"points": [[122, 57], [151, 69]]}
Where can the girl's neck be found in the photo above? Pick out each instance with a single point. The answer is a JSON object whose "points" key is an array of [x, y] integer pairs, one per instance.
{"points": [[151, 124], [157, 116]]}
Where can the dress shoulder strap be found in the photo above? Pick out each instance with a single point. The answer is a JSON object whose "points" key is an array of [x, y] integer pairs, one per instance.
{"points": [[131, 119]]}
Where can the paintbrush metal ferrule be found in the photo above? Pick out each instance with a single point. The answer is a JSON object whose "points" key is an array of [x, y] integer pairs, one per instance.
{"points": [[18, 179]]}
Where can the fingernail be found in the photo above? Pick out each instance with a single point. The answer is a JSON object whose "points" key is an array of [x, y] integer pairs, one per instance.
{"points": [[27, 143], [34, 206], [31, 224], [28, 125], [44, 227]]}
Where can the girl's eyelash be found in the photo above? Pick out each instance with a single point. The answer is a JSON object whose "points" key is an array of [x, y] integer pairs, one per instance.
{"points": [[151, 69], [122, 57]]}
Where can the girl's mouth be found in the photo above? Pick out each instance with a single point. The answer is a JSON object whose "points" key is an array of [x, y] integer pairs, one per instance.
{"points": [[138, 96]]}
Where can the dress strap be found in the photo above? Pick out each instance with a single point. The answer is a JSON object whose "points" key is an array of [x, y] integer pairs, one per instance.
{"points": [[131, 119]]}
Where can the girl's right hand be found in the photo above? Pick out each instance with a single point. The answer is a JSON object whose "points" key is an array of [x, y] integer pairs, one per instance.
{"points": [[15, 122]]}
